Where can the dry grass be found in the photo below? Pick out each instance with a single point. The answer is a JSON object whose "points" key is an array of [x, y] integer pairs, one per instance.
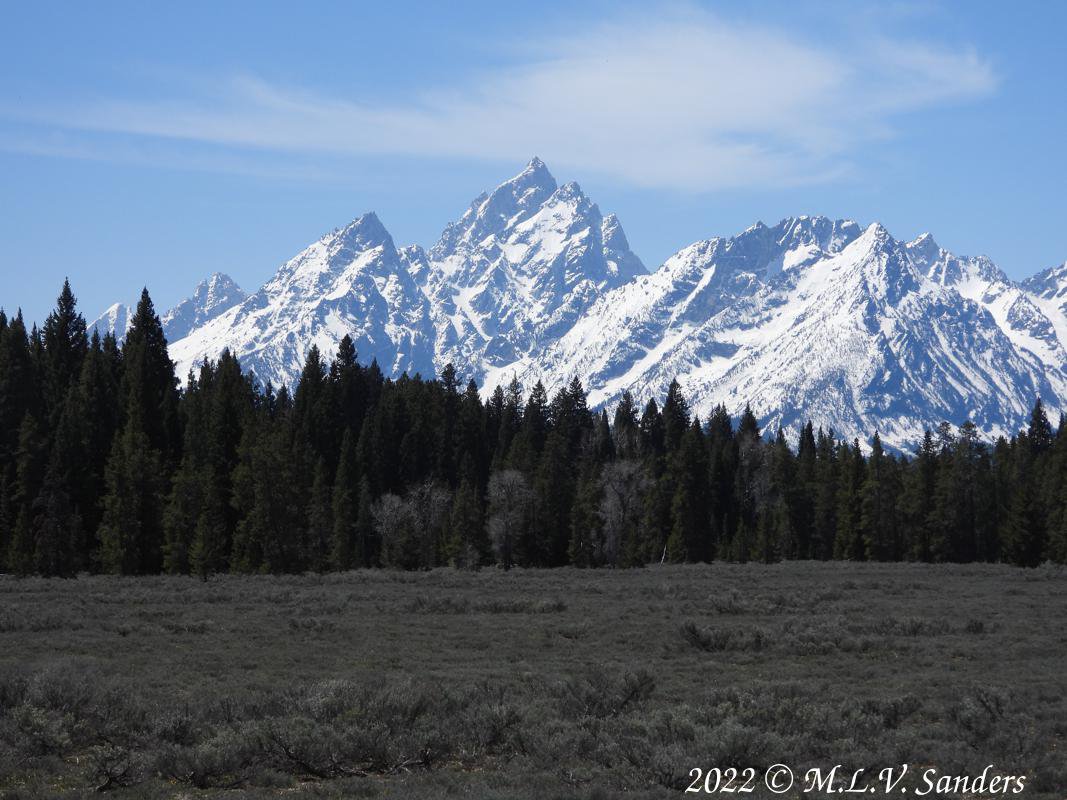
{"points": [[528, 684]]}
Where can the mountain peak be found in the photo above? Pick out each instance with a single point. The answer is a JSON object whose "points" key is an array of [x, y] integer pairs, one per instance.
{"points": [[515, 199], [365, 232], [534, 175], [570, 190], [925, 248], [535, 166]]}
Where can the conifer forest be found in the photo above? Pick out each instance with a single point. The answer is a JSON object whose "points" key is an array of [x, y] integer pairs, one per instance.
{"points": [[108, 465]]}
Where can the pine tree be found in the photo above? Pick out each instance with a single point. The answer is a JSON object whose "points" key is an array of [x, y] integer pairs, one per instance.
{"points": [[210, 549], [18, 386], [56, 529], [722, 475], [180, 519], [510, 423], [624, 427], [30, 460], [368, 547], [347, 384], [473, 450], [586, 545], [1025, 532], [528, 444], [311, 408], [445, 432], [1039, 432], [918, 500], [149, 387], [94, 403], [344, 553], [748, 427], [189, 484], [848, 542], [689, 539], [675, 417], [804, 491], [320, 522], [57, 524], [131, 533], [269, 492], [878, 506], [776, 527], [554, 487], [651, 427], [65, 347], [467, 546]]}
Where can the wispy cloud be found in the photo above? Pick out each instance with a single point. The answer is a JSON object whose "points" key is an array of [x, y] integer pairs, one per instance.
{"points": [[688, 100]]}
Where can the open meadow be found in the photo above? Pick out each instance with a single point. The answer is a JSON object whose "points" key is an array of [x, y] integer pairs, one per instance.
{"points": [[530, 684]]}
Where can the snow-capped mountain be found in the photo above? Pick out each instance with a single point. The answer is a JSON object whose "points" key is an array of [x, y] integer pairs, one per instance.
{"points": [[510, 276], [811, 318], [518, 269], [209, 299], [116, 319], [351, 281], [823, 320]]}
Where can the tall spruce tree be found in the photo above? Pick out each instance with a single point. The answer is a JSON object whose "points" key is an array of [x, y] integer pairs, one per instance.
{"points": [[65, 347], [690, 536]]}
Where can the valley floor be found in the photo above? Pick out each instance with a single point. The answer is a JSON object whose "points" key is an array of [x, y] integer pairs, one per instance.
{"points": [[528, 684]]}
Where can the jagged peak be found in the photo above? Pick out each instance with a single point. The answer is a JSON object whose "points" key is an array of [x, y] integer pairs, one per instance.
{"points": [[876, 230], [220, 277], [491, 212], [216, 281], [365, 232], [925, 247], [534, 174], [570, 189], [611, 231]]}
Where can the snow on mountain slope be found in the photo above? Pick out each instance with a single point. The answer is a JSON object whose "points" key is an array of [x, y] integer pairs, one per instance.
{"points": [[352, 281], [116, 319], [209, 299], [813, 319], [518, 269], [1017, 310]]}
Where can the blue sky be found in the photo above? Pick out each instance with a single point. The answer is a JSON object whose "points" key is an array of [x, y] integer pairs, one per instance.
{"points": [[150, 145]]}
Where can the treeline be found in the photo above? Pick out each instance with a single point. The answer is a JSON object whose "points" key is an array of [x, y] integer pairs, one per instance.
{"points": [[106, 465]]}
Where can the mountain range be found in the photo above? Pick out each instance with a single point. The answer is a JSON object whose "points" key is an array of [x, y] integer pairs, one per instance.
{"points": [[812, 318]]}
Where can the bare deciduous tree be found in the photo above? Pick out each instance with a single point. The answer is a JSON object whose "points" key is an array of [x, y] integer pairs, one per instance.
{"points": [[411, 527], [510, 499], [624, 484]]}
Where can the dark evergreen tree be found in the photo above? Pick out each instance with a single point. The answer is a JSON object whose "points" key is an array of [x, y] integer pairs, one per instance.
{"points": [[848, 538], [917, 510], [625, 429], [65, 347], [319, 540], [690, 537], [149, 387], [878, 506], [131, 533], [344, 553], [468, 545], [675, 417]]}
